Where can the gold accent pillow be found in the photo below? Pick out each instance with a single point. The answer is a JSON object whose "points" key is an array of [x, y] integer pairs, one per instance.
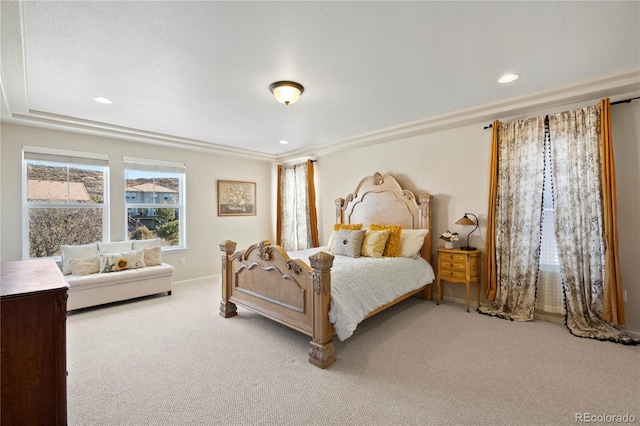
{"points": [[339, 226], [392, 249], [374, 243]]}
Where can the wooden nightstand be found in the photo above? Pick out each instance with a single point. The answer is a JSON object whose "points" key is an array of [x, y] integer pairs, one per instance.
{"points": [[458, 266]]}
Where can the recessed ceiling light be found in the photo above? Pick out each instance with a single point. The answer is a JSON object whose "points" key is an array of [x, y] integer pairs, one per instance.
{"points": [[102, 100], [508, 78], [283, 142]]}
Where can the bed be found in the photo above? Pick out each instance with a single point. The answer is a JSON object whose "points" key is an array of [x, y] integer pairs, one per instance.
{"points": [[285, 288]]}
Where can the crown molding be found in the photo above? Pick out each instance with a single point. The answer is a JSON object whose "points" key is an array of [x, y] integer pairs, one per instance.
{"points": [[616, 86], [54, 121]]}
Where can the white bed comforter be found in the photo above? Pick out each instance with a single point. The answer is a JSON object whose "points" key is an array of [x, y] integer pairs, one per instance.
{"points": [[361, 285]]}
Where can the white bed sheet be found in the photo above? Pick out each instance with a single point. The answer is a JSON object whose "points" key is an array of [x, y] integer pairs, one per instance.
{"points": [[361, 285]]}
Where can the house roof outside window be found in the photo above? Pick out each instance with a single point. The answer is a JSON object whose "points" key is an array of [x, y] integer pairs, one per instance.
{"points": [[47, 190]]}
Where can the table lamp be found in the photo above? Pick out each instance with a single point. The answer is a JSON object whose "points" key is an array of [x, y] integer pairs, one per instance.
{"points": [[468, 222]]}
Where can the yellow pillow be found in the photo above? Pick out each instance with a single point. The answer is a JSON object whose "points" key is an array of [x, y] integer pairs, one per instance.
{"points": [[339, 226], [392, 249], [374, 243]]}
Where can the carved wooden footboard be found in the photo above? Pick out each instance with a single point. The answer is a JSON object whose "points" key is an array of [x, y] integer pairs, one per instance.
{"points": [[264, 280]]}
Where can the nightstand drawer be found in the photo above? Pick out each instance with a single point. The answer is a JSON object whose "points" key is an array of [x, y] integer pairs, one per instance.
{"points": [[453, 257], [444, 274], [443, 264]]}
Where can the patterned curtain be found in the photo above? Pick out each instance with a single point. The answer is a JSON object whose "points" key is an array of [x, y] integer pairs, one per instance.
{"points": [[579, 226], [296, 217], [518, 215]]}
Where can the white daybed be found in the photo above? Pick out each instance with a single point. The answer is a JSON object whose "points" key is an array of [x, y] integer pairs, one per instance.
{"points": [[94, 278]]}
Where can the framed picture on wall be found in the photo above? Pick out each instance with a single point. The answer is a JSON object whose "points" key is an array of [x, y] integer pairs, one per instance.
{"points": [[236, 198]]}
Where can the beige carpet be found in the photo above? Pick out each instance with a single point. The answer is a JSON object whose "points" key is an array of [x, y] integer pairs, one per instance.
{"points": [[174, 361]]}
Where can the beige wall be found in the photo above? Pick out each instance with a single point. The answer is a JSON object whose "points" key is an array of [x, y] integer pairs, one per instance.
{"points": [[452, 165], [205, 230]]}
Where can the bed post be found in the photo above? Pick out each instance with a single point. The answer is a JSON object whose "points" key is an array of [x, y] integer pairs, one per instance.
{"points": [[424, 206], [339, 203], [227, 309], [321, 352]]}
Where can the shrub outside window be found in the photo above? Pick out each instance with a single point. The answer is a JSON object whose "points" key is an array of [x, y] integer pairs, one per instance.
{"points": [[64, 200]]}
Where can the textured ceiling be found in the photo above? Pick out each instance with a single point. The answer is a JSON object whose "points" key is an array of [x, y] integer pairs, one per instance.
{"points": [[198, 72]]}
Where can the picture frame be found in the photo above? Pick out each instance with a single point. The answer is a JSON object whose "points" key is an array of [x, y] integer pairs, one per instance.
{"points": [[236, 198]]}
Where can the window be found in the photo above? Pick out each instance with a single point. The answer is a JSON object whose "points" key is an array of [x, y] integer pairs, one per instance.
{"points": [[64, 200], [549, 297], [155, 201]]}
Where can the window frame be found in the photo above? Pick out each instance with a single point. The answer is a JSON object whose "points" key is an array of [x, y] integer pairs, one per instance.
{"points": [[145, 165], [68, 158]]}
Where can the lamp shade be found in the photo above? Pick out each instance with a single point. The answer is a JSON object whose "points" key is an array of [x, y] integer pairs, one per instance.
{"points": [[286, 92]]}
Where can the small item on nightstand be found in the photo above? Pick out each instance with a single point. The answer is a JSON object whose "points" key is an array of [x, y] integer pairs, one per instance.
{"points": [[449, 237]]}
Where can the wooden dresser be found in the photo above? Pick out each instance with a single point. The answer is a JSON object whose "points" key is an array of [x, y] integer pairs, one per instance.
{"points": [[33, 311]]}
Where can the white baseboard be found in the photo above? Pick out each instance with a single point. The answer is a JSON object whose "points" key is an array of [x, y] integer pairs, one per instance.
{"points": [[542, 316], [210, 278], [631, 332]]}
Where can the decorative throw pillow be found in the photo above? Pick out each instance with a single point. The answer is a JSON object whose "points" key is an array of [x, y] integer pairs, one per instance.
{"points": [[411, 242], [392, 249], [153, 242], [115, 247], [113, 262], [374, 243], [76, 252], [152, 256], [85, 265], [339, 226], [348, 242]]}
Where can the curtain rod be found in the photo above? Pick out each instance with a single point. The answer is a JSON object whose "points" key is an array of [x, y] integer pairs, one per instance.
{"points": [[624, 101]]}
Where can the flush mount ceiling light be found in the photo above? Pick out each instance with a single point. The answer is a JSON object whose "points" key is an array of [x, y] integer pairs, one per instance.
{"points": [[102, 100], [508, 78], [286, 92]]}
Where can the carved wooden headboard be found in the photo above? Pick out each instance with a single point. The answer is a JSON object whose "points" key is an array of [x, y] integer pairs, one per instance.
{"points": [[380, 199]]}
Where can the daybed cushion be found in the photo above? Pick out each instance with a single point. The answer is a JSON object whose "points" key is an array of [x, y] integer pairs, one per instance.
{"points": [[115, 246], [153, 242], [76, 252], [81, 282]]}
